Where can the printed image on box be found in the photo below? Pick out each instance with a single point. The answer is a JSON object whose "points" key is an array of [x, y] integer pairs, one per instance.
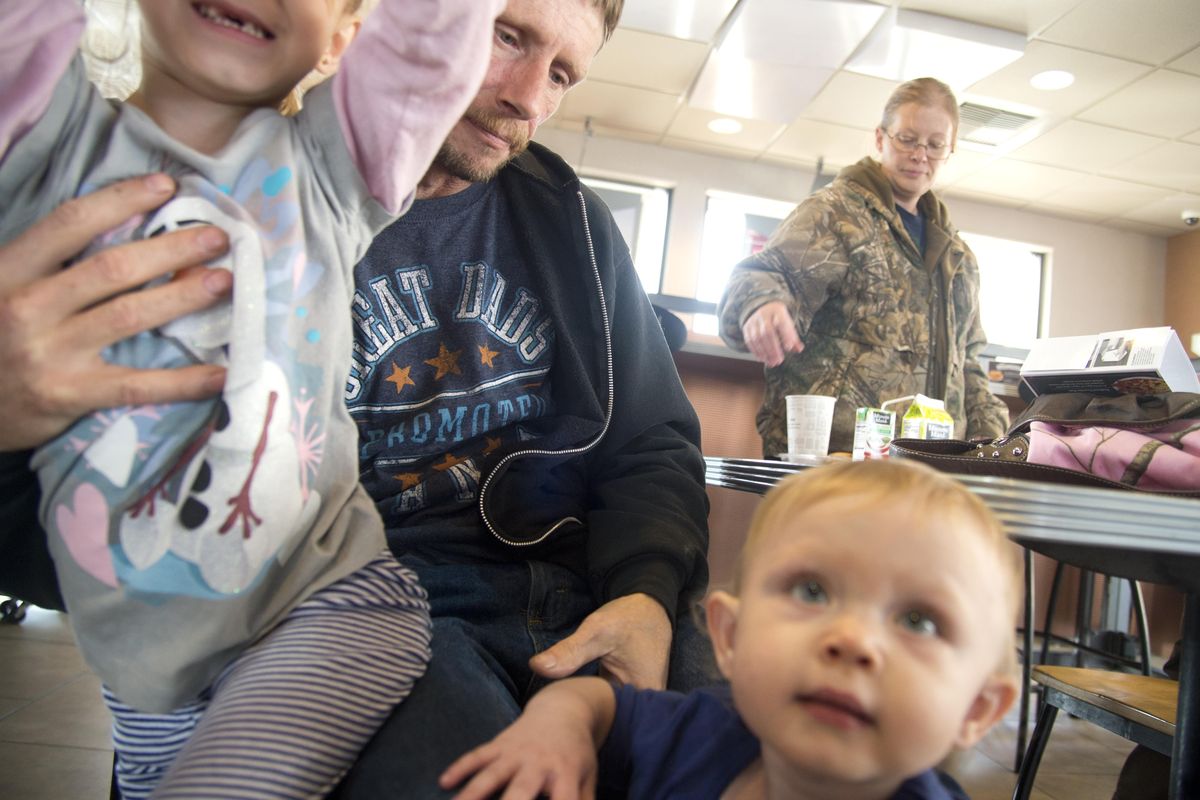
{"points": [[1112, 352]]}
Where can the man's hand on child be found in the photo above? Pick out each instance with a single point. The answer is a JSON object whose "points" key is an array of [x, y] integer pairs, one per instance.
{"points": [[631, 637]]}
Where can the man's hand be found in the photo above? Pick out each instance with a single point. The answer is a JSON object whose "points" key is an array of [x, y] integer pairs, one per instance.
{"points": [[55, 322], [550, 751], [769, 333], [630, 635]]}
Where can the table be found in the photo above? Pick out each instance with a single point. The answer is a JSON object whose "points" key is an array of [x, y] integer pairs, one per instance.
{"points": [[1129, 534]]}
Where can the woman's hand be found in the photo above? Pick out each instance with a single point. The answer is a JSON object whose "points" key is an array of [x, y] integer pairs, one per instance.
{"points": [[56, 322], [770, 334]]}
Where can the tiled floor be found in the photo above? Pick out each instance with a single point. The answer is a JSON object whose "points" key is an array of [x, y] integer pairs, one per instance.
{"points": [[54, 732], [54, 739]]}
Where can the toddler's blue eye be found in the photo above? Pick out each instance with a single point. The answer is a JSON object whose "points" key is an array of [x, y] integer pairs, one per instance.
{"points": [[919, 622], [809, 591]]}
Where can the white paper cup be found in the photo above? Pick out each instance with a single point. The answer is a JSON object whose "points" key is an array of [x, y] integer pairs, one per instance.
{"points": [[809, 420]]}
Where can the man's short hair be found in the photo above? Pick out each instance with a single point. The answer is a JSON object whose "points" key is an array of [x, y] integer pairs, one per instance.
{"points": [[610, 10]]}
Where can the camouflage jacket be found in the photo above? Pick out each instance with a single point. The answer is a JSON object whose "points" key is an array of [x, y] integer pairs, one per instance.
{"points": [[877, 320]]}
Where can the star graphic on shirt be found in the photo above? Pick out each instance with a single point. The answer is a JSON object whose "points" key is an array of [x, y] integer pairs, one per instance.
{"points": [[450, 462], [492, 445], [446, 362], [400, 377], [408, 480], [487, 356]]}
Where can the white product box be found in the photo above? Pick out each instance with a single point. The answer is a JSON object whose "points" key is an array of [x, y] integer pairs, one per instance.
{"points": [[1136, 361]]}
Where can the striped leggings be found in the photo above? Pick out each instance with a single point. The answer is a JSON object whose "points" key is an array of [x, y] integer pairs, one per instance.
{"points": [[289, 716]]}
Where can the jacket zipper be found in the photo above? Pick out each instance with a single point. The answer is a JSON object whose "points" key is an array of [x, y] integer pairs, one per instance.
{"points": [[487, 481]]}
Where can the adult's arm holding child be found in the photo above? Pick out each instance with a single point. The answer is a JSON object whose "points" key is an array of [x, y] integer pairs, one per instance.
{"points": [[55, 321]]}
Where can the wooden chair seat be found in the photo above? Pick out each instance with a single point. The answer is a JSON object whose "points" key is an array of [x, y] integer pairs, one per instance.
{"points": [[1145, 700], [1140, 708]]}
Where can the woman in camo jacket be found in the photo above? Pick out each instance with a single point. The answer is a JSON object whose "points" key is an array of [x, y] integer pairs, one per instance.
{"points": [[866, 292]]}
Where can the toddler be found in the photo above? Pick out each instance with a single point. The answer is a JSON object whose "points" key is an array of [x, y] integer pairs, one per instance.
{"points": [[870, 631], [226, 576]]}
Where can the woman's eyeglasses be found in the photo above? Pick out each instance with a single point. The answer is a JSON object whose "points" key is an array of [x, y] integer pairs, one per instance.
{"points": [[906, 143]]}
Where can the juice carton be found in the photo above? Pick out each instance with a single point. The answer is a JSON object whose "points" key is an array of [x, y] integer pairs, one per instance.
{"points": [[927, 418], [874, 429]]}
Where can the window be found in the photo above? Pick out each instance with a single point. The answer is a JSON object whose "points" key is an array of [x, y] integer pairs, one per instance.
{"points": [[1011, 289], [641, 216], [735, 226]]}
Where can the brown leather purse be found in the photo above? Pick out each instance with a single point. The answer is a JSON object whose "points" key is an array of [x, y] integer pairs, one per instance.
{"points": [[1006, 457]]}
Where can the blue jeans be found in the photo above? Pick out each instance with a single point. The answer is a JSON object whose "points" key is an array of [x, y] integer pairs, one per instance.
{"points": [[488, 620]]}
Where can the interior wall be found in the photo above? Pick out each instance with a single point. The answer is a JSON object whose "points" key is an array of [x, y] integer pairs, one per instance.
{"points": [[1101, 278], [1182, 311]]}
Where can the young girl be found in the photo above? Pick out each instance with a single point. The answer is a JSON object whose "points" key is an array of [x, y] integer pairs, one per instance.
{"points": [[226, 575]]}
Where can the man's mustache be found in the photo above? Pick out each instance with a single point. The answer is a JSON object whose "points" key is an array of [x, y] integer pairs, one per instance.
{"points": [[512, 131]]}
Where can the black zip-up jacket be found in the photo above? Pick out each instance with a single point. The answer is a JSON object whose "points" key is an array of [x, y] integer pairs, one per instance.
{"points": [[617, 473], [616, 484]]}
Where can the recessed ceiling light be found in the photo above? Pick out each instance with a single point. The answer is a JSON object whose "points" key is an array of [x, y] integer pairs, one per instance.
{"points": [[1052, 80], [725, 125]]}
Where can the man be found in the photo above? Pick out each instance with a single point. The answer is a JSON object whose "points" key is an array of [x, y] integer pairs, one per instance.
{"points": [[523, 431]]}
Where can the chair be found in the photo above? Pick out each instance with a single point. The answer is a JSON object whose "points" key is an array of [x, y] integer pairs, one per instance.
{"points": [[1138, 707], [1080, 647]]}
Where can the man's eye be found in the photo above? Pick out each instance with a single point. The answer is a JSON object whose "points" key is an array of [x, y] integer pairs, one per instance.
{"points": [[919, 622], [559, 79], [809, 591], [506, 38]]}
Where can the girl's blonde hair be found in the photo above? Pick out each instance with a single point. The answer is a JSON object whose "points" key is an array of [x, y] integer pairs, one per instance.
{"points": [[351, 9]]}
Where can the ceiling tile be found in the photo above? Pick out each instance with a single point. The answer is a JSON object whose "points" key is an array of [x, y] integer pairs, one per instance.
{"points": [[620, 106], [1103, 196], [1018, 180], [649, 61], [1021, 16], [802, 33], [1165, 103], [807, 140], [1189, 62], [1150, 32], [754, 89], [850, 99], [684, 19], [1096, 77], [1175, 165], [692, 124], [962, 163], [1085, 146], [1166, 212]]}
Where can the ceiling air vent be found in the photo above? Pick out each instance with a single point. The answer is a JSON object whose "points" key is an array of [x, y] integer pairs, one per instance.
{"points": [[989, 126]]}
